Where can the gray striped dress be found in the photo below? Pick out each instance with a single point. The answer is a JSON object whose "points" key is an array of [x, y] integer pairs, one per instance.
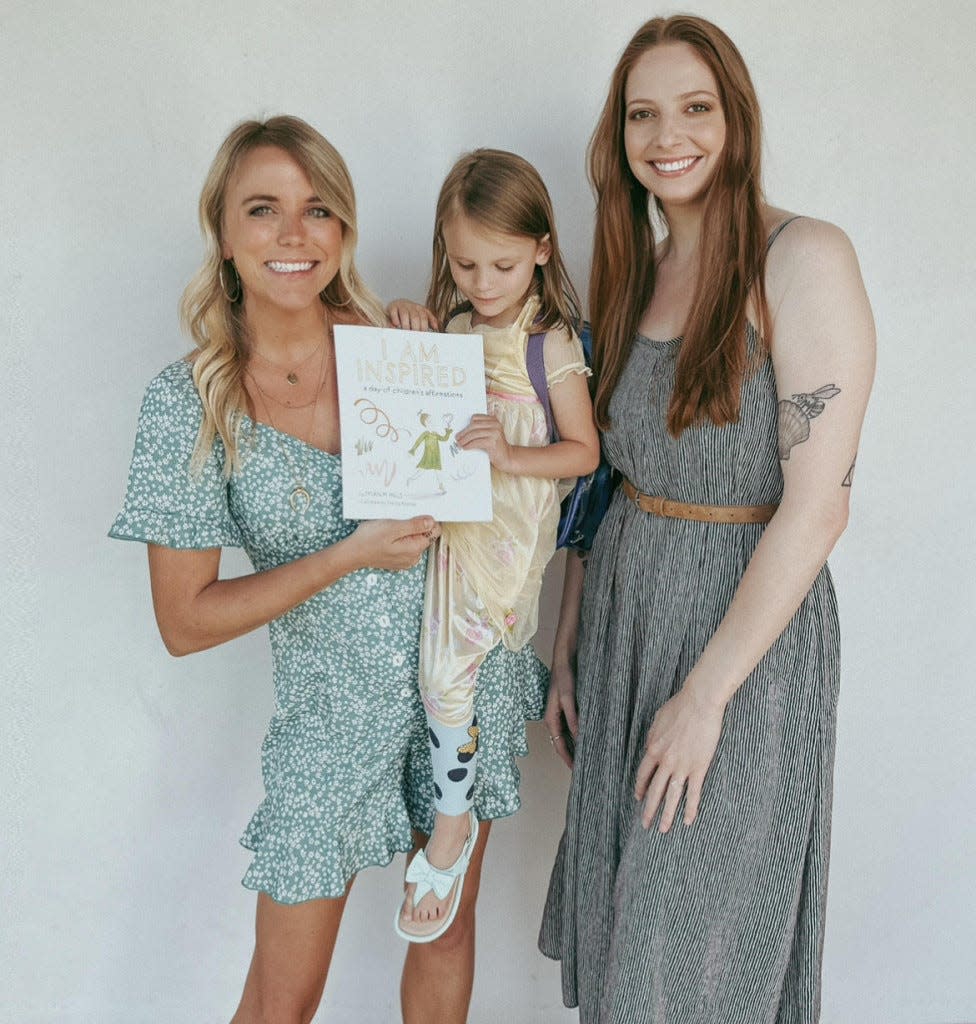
{"points": [[722, 922]]}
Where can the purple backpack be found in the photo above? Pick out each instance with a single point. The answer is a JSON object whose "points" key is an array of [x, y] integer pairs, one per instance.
{"points": [[583, 508]]}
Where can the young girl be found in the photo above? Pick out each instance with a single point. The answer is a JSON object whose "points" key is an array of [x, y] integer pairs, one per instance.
{"points": [[495, 253]]}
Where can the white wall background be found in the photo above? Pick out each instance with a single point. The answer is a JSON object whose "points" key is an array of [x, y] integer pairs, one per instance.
{"points": [[126, 776]]}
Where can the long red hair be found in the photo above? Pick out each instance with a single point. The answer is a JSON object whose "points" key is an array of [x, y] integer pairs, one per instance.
{"points": [[713, 358]]}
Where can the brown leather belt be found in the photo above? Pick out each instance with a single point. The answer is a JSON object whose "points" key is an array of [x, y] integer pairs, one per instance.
{"points": [[699, 513]]}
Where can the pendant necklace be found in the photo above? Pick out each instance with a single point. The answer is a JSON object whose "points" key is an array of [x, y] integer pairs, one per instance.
{"points": [[300, 497], [290, 375]]}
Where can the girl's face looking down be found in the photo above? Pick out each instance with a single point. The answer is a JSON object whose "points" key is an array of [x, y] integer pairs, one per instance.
{"points": [[494, 272], [674, 128], [283, 240]]}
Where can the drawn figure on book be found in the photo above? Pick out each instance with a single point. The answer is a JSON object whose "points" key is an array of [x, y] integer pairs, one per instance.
{"points": [[402, 454], [484, 578], [430, 456]]}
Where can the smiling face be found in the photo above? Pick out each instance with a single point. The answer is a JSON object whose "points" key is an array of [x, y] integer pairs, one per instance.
{"points": [[285, 243], [495, 272], [674, 126]]}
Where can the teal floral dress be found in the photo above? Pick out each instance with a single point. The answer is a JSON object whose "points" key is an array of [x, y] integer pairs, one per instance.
{"points": [[346, 762]]}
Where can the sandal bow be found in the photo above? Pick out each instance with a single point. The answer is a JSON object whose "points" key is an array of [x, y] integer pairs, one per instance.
{"points": [[439, 881], [427, 878]]}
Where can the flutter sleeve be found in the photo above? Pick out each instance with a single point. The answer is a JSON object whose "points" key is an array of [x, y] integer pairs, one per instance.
{"points": [[165, 503], [563, 355]]}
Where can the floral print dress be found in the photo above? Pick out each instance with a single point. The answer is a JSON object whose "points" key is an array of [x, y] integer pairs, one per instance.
{"points": [[345, 761]]}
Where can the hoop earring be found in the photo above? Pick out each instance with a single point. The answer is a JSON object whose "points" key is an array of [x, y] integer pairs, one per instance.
{"points": [[238, 287]]}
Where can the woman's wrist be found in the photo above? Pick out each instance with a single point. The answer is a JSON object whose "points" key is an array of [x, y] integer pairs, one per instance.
{"points": [[708, 692], [343, 557], [563, 659]]}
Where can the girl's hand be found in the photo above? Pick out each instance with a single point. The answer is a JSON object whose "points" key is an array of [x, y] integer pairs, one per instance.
{"points": [[485, 434], [411, 316], [393, 543], [560, 717], [680, 746]]}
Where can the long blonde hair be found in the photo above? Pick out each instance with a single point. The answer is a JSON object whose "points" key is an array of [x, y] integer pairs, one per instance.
{"points": [[215, 321], [502, 192], [713, 357]]}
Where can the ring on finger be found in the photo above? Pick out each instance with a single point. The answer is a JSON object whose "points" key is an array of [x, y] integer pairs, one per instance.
{"points": [[553, 737]]}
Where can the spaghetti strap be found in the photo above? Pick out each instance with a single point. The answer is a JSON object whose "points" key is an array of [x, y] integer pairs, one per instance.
{"points": [[779, 227]]}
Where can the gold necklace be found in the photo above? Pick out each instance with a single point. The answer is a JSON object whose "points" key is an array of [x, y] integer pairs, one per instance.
{"points": [[290, 375], [300, 497], [289, 405]]}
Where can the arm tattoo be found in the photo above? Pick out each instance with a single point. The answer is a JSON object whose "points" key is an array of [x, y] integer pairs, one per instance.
{"points": [[849, 479], [795, 414]]}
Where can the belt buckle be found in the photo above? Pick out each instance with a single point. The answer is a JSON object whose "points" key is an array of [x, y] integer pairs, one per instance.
{"points": [[649, 503]]}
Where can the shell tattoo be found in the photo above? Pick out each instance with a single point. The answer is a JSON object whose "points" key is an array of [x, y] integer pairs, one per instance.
{"points": [[795, 414]]}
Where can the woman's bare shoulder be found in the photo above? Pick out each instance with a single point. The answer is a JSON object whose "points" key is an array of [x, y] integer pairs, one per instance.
{"points": [[798, 236], [806, 253]]}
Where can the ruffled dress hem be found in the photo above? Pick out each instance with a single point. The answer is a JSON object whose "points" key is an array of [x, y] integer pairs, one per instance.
{"points": [[264, 874]]}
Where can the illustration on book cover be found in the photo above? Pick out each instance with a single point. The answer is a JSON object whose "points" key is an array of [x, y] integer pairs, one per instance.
{"points": [[403, 396]]}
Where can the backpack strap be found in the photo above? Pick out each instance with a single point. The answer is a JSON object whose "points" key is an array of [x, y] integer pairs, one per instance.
{"points": [[536, 367]]}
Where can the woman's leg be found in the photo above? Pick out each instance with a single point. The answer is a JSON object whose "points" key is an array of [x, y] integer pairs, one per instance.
{"points": [[437, 976], [292, 951]]}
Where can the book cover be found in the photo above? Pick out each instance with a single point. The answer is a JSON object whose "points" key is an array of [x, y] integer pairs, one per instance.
{"points": [[403, 395]]}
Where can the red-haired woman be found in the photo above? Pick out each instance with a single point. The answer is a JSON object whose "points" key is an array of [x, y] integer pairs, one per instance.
{"points": [[734, 353]]}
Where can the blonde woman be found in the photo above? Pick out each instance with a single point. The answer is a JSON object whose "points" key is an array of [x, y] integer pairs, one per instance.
{"points": [[237, 446]]}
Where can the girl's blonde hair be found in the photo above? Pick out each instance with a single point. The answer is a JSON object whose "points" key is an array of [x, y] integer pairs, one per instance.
{"points": [[504, 193], [217, 322], [713, 358]]}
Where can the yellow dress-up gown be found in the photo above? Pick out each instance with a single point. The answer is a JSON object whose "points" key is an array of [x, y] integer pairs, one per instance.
{"points": [[483, 579]]}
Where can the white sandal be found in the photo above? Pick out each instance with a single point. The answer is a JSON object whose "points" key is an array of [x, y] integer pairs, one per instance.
{"points": [[439, 881]]}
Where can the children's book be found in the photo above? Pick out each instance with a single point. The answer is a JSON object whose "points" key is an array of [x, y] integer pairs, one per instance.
{"points": [[403, 396]]}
